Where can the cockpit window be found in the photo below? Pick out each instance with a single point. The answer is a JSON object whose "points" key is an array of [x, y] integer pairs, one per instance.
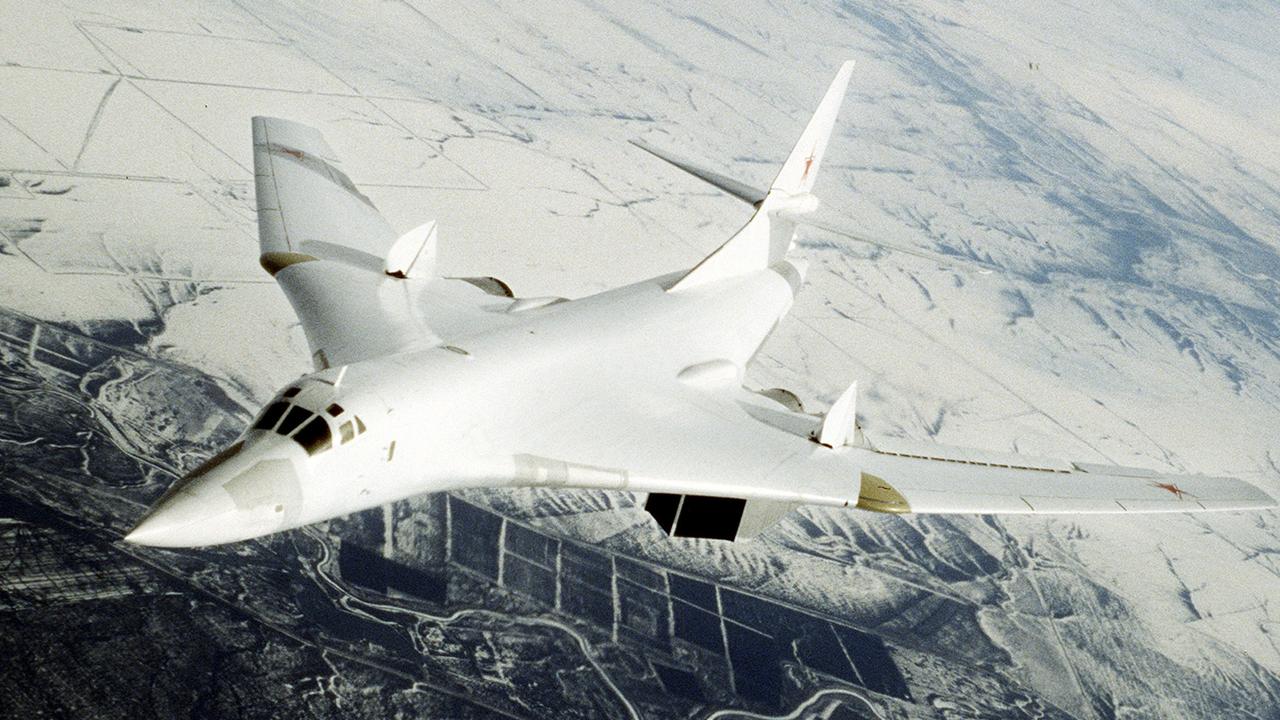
{"points": [[315, 436], [296, 415], [312, 428], [270, 416]]}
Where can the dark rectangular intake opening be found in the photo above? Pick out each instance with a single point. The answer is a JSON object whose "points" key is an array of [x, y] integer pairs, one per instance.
{"points": [[715, 518], [663, 507]]}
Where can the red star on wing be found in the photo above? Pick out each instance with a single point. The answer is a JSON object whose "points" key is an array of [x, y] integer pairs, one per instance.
{"points": [[1174, 489]]}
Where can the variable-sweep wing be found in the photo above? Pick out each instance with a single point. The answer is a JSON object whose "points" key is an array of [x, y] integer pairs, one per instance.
{"points": [[360, 290], [725, 462]]}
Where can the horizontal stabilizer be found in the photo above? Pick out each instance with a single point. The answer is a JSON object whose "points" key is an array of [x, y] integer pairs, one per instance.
{"points": [[839, 226], [742, 191]]}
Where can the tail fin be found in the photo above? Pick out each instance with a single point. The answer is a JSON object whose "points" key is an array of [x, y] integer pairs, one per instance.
{"points": [[801, 167], [767, 237]]}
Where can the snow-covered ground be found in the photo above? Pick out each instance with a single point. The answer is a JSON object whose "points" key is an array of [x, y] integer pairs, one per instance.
{"points": [[1121, 163]]}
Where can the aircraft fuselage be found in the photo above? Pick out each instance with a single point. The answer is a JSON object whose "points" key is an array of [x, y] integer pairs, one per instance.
{"points": [[454, 416]]}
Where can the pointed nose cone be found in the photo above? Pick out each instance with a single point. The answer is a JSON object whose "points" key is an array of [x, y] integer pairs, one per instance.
{"points": [[188, 518], [240, 493]]}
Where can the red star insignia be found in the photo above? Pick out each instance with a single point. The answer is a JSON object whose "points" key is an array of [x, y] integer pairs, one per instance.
{"points": [[1174, 489]]}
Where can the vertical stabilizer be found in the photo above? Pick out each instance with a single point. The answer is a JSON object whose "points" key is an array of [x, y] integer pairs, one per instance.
{"points": [[801, 167], [767, 237]]}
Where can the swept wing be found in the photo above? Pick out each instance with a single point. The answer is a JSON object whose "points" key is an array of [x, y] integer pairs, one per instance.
{"points": [[360, 289], [733, 443]]}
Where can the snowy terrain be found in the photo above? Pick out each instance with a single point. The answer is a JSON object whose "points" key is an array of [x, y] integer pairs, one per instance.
{"points": [[1121, 165]]}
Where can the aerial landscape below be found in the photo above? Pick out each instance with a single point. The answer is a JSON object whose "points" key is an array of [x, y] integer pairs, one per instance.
{"points": [[1113, 172]]}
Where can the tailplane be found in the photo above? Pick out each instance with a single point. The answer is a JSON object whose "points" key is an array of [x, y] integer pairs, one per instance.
{"points": [[767, 237]]}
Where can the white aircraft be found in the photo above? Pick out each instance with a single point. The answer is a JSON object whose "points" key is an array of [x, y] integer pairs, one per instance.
{"points": [[426, 383]]}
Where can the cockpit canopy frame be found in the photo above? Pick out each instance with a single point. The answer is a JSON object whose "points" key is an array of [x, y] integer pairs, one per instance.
{"points": [[309, 428]]}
